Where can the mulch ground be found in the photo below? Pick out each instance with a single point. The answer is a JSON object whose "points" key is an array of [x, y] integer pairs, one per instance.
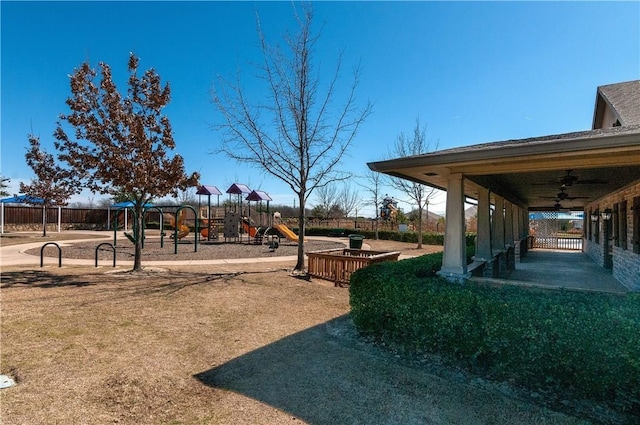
{"points": [[186, 250]]}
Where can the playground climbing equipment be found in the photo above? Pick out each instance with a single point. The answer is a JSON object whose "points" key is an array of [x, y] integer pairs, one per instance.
{"points": [[389, 208], [211, 230]]}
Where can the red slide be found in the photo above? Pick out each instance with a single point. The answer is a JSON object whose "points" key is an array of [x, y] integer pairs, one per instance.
{"points": [[249, 229]]}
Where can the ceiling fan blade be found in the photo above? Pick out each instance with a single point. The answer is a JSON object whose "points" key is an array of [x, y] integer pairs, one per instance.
{"points": [[592, 181]]}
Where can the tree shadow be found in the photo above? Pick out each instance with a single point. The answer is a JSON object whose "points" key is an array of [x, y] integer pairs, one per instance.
{"points": [[40, 279], [328, 375]]}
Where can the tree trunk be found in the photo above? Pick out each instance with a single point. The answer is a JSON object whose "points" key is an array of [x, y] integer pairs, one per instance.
{"points": [[377, 222], [419, 226], [300, 262], [44, 222], [137, 237]]}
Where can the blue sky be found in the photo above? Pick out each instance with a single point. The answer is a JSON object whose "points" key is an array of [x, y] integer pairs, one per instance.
{"points": [[472, 71]]}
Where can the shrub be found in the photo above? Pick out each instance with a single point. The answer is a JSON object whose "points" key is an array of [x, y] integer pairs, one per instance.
{"points": [[583, 344], [390, 235]]}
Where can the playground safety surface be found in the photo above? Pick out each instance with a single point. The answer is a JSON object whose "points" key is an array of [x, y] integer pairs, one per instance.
{"points": [[186, 251]]}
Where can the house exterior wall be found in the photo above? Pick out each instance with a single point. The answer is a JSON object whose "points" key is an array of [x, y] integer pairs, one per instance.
{"points": [[626, 262], [609, 117]]}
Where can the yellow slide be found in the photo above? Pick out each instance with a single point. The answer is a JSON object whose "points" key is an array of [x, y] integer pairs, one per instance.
{"points": [[183, 231], [288, 233]]}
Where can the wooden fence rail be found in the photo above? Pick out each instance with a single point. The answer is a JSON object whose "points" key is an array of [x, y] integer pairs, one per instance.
{"points": [[337, 265]]}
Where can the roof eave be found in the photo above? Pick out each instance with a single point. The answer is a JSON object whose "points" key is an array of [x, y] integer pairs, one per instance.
{"points": [[607, 142]]}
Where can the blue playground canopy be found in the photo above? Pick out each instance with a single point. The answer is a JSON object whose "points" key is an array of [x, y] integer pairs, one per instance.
{"points": [[22, 199], [128, 204]]}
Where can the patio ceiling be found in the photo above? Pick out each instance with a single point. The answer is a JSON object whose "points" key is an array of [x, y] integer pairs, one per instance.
{"points": [[531, 172]]}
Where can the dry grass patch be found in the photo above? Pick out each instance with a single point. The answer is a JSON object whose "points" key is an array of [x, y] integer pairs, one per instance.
{"points": [[234, 344], [92, 347]]}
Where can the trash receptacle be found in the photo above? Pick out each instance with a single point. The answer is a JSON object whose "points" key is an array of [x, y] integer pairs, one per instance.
{"points": [[355, 241]]}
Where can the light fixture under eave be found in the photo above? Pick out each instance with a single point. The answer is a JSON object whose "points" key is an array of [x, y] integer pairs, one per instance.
{"points": [[595, 216], [606, 214]]}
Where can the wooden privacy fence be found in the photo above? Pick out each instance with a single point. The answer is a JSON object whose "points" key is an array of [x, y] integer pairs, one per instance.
{"points": [[25, 215], [337, 265]]}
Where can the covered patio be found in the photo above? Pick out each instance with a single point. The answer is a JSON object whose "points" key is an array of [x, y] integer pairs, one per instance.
{"points": [[559, 269], [596, 172]]}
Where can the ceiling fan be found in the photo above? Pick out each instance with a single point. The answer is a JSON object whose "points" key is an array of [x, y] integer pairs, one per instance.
{"points": [[562, 196], [569, 179], [555, 207]]}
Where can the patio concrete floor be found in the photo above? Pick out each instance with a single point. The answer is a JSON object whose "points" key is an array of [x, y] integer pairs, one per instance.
{"points": [[560, 269]]}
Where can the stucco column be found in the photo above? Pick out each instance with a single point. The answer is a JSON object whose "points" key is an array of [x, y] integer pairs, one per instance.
{"points": [[516, 222], [498, 224], [508, 223], [483, 249], [454, 259]]}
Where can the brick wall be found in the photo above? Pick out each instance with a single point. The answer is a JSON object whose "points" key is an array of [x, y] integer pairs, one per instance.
{"points": [[626, 263]]}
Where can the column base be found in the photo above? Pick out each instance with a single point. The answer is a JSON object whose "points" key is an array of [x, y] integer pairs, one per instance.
{"points": [[455, 277]]}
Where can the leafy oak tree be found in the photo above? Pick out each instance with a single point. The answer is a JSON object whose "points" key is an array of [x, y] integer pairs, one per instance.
{"points": [[302, 132], [51, 187], [122, 144], [419, 194]]}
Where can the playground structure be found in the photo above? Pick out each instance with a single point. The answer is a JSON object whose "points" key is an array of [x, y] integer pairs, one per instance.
{"points": [[389, 209], [208, 223], [183, 230], [180, 230], [283, 229], [210, 232]]}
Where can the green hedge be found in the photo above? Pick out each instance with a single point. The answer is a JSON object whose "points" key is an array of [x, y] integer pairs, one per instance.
{"points": [[392, 235], [582, 344]]}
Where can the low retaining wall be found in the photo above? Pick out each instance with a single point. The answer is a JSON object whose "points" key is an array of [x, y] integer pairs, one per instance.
{"points": [[337, 265]]}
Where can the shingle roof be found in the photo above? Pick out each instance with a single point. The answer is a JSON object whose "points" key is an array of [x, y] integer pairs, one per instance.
{"points": [[582, 135], [624, 98]]}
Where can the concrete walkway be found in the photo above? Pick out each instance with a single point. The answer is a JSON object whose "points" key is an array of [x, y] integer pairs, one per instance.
{"points": [[13, 255], [561, 269]]}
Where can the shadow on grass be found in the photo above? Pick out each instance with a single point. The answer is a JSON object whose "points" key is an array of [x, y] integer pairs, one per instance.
{"points": [[327, 375], [308, 375], [40, 279]]}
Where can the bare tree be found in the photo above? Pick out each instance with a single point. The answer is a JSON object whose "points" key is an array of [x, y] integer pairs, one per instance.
{"points": [[373, 187], [419, 194], [122, 144], [348, 199], [327, 197], [51, 186], [301, 134], [187, 196]]}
